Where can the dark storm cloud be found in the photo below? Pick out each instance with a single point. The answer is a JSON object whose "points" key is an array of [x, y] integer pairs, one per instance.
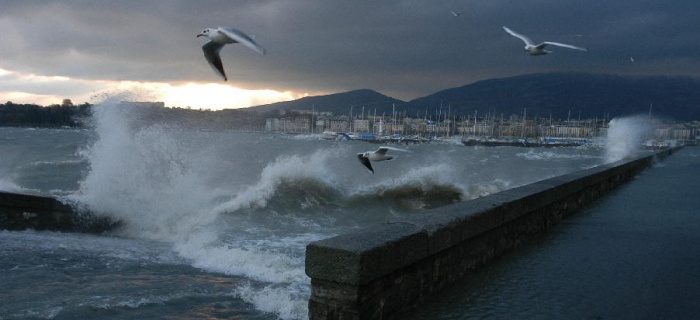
{"points": [[401, 48]]}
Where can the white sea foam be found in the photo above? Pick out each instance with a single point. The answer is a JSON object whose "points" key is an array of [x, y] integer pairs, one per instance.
{"points": [[208, 252], [47, 312], [305, 137], [274, 265], [539, 155], [57, 163], [286, 304], [484, 189]]}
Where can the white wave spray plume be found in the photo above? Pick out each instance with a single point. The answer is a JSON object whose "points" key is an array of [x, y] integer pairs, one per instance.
{"points": [[140, 175], [160, 186], [625, 137]]}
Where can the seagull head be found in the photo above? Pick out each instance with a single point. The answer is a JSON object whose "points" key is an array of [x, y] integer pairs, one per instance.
{"points": [[205, 33]]}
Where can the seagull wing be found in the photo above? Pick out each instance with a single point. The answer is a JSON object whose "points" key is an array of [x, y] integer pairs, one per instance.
{"points": [[564, 45], [393, 148], [382, 150], [517, 35], [243, 38], [211, 53], [365, 161]]}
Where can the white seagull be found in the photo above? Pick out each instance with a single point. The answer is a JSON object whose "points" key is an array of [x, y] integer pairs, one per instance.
{"points": [[379, 155], [457, 13], [538, 50], [220, 37]]}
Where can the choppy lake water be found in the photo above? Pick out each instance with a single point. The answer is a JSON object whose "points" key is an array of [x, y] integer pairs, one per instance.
{"points": [[216, 223]]}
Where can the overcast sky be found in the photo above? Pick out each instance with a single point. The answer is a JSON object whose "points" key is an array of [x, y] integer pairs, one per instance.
{"points": [[404, 49]]}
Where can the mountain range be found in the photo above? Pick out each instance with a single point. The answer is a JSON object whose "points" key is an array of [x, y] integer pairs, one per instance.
{"points": [[557, 95]]}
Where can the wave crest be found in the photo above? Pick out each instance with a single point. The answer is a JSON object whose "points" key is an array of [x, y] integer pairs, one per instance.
{"points": [[289, 182], [422, 188]]}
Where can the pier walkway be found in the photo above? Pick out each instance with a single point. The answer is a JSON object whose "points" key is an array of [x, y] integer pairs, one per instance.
{"points": [[633, 254]]}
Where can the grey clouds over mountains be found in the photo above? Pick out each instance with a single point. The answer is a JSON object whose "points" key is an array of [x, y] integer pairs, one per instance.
{"points": [[406, 49]]}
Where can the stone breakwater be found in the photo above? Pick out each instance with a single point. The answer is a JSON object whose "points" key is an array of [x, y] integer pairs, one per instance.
{"points": [[384, 271], [24, 211]]}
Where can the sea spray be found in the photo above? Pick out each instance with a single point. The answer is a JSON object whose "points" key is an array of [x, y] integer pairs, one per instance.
{"points": [[145, 175], [10, 186], [140, 175], [625, 137]]}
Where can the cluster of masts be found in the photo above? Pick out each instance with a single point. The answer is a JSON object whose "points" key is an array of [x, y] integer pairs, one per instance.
{"points": [[443, 123]]}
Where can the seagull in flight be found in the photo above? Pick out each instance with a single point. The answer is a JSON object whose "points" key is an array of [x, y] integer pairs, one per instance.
{"points": [[218, 38], [379, 155], [538, 49], [457, 13]]}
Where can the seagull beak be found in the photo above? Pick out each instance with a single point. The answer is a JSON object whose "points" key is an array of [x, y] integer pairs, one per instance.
{"points": [[200, 35]]}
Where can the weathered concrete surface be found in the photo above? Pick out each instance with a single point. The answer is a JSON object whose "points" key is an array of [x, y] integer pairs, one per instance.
{"points": [[23, 211], [384, 271]]}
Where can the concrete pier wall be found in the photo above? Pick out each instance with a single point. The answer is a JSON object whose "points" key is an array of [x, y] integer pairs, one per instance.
{"points": [[23, 211], [384, 271]]}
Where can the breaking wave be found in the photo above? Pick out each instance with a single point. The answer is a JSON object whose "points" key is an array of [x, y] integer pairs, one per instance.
{"points": [[249, 210]]}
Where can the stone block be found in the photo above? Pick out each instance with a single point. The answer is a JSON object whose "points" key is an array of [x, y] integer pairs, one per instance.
{"points": [[361, 256]]}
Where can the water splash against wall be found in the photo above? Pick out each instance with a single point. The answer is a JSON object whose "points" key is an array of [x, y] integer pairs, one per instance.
{"points": [[247, 205], [159, 181], [625, 136], [140, 173]]}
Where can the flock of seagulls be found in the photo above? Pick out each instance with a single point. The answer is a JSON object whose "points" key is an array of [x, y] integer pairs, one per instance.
{"points": [[221, 36]]}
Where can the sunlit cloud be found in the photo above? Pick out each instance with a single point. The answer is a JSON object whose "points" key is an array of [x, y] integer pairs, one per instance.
{"points": [[26, 98], [217, 96], [47, 90]]}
